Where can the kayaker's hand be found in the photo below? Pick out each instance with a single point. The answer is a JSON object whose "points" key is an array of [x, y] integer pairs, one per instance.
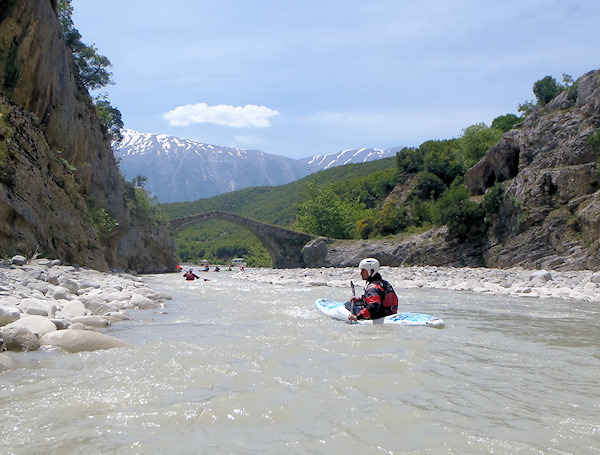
{"points": [[355, 299], [352, 317]]}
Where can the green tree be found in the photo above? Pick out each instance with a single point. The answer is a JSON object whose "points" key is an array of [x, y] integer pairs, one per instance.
{"points": [[546, 89], [442, 158], [409, 160], [493, 199], [456, 211], [110, 118], [390, 220], [324, 213], [364, 227], [139, 180], [525, 108], [506, 122], [92, 67], [428, 186], [475, 142]]}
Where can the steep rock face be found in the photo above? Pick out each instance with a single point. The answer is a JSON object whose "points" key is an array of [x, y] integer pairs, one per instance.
{"points": [[37, 73], [549, 217], [433, 247], [550, 211], [40, 204]]}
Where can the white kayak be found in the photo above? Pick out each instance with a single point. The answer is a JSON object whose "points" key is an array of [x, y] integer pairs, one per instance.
{"points": [[337, 310]]}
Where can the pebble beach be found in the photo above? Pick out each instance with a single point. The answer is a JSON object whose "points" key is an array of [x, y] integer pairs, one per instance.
{"points": [[45, 304]]}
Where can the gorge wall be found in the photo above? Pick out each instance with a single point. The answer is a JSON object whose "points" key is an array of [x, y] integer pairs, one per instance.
{"points": [[549, 216], [58, 176]]}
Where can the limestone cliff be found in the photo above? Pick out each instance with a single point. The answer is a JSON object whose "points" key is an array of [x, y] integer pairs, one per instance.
{"points": [[58, 175], [551, 210], [550, 215]]}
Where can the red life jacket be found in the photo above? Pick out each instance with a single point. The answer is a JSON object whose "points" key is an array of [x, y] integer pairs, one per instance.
{"points": [[390, 299]]}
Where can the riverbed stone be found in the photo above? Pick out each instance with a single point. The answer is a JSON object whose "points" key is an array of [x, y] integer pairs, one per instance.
{"points": [[6, 363], [68, 283], [36, 311], [76, 326], [116, 295], [19, 338], [540, 276], [81, 340], [61, 324], [92, 321], [61, 293], [8, 314], [18, 260], [36, 324], [88, 283], [40, 286], [96, 306], [139, 301], [72, 308]]}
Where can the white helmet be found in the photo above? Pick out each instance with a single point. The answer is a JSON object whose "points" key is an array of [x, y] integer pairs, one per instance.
{"points": [[371, 265]]}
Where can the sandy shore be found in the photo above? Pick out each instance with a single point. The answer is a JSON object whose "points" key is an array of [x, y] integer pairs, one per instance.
{"points": [[577, 285]]}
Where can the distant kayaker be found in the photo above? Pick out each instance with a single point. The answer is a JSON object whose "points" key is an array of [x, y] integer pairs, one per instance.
{"points": [[379, 298], [190, 275]]}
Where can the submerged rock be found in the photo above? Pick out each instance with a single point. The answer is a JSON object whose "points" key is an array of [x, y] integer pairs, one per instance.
{"points": [[5, 363]]}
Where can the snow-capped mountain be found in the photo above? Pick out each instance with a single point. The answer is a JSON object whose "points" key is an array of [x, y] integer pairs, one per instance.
{"points": [[350, 156], [180, 170]]}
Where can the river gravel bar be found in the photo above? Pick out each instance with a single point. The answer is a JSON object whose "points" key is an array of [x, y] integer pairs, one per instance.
{"points": [[576, 285]]}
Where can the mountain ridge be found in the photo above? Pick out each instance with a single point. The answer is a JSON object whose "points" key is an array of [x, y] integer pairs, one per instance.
{"points": [[179, 170]]}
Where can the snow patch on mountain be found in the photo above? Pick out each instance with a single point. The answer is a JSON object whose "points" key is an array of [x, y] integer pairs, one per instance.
{"points": [[180, 169]]}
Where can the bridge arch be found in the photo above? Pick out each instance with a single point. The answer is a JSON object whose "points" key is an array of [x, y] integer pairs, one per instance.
{"points": [[283, 245]]}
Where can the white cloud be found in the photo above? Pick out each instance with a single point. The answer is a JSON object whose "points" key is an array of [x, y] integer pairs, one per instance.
{"points": [[224, 115]]}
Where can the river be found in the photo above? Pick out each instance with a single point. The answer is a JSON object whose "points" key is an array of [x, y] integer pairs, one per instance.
{"points": [[241, 367]]}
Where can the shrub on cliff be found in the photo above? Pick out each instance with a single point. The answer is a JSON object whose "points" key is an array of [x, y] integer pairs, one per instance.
{"points": [[456, 211], [493, 199]]}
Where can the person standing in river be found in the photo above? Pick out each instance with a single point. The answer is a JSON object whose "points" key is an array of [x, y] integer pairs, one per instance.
{"points": [[379, 298]]}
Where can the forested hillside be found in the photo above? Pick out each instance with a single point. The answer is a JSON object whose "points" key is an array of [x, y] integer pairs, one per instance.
{"points": [[275, 204]]}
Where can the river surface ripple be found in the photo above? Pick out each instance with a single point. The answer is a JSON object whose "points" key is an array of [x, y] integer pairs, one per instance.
{"points": [[236, 366]]}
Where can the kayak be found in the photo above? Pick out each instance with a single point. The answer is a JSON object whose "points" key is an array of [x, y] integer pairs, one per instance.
{"points": [[337, 310]]}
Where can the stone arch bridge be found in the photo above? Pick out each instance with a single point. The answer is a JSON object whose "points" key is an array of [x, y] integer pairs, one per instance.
{"points": [[284, 245]]}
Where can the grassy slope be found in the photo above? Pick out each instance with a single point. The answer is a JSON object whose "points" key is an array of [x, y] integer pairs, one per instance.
{"points": [[273, 204]]}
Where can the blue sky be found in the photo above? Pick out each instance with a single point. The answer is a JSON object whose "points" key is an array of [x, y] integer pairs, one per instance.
{"points": [[313, 77]]}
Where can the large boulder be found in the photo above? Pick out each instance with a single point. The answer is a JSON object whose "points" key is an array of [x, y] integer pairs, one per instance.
{"points": [[81, 340], [19, 338]]}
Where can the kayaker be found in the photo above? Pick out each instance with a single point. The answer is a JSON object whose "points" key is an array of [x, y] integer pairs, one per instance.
{"points": [[379, 298], [190, 275]]}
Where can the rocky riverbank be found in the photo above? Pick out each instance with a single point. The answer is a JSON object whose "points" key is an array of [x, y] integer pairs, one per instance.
{"points": [[577, 285], [46, 304]]}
